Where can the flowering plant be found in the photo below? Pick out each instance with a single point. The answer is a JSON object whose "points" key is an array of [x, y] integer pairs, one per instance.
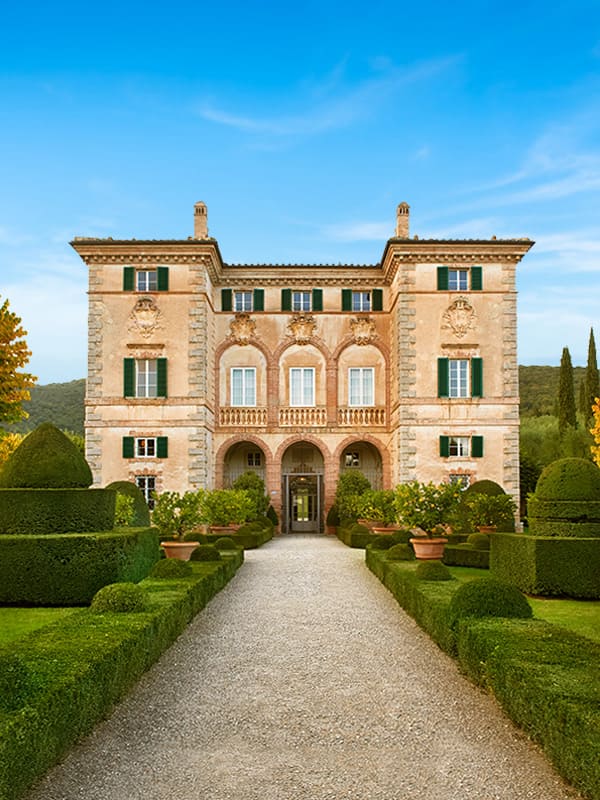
{"points": [[426, 505]]}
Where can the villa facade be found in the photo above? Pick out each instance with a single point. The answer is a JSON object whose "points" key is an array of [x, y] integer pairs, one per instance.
{"points": [[200, 370]]}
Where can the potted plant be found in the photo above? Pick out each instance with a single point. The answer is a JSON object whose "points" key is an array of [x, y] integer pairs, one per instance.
{"points": [[225, 509], [489, 511], [425, 508], [378, 508], [176, 516]]}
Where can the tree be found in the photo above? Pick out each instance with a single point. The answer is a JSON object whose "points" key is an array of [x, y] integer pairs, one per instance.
{"points": [[592, 381], [567, 413], [595, 431], [14, 354]]}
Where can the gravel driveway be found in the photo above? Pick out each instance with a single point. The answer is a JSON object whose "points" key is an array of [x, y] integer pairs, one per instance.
{"points": [[304, 679]]}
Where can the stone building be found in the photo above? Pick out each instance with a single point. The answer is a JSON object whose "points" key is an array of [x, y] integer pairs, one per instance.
{"points": [[200, 369]]}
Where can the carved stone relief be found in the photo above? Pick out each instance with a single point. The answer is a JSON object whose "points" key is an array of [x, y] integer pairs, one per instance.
{"points": [[242, 328], [145, 317], [302, 328], [363, 330], [459, 317]]}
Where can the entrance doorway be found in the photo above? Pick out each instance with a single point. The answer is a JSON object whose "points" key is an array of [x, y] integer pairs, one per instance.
{"points": [[304, 502], [302, 489]]}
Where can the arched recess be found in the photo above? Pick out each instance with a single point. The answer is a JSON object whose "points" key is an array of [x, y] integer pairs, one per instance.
{"points": [[367, 454], [303, 466], [238, 455], [310, 391], [370, 362]]}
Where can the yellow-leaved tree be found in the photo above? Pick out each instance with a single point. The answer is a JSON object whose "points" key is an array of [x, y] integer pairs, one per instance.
{"points": [[595, 431], [14, 354]]}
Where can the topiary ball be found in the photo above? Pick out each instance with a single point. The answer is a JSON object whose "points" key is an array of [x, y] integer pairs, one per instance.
{"points": [[488, 597], [480, 541], [141, 513], [569, 479], [171, 568], [433, 571], [16, 682], [46, 459], [401, 552], [119, 598], [483, 487], [206, 552], [226, 543], [382, 543]]}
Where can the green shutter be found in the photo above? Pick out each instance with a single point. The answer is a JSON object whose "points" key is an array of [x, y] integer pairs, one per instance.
{"points": [[226, 299], [162, 279], [477, 377], [161, 377], [477, 446], [346, 299], [476, 279], [317, 299], [128, 279], [444, 446], [286, 299], [258, 300], [377, 299], [128, 447], [162, 446], [129, 377], [442, 279], [443, 378]]}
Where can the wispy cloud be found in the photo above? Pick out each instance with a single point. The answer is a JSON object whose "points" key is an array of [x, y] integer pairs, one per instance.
{"points": [[330, 104]]}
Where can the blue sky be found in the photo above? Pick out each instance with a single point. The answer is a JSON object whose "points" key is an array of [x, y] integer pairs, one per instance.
{"points": [[302, 126]]}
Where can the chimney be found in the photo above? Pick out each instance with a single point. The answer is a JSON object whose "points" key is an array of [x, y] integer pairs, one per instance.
{"points": [[402, 220], [200, 221]]}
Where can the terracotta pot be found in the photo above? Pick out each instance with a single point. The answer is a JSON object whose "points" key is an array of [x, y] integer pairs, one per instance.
{"points": [[224, 530], [428, 549], [180, 550], [486, 528], [385, 530], [369, 523]]}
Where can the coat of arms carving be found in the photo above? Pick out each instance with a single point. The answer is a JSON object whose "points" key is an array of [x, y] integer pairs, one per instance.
{"points": [[145, 317], [302, 328], [459, 317], [363, 330], [242, 328]]}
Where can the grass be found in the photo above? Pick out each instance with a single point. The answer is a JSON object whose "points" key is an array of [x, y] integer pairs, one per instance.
{"points": [[18, 622]]}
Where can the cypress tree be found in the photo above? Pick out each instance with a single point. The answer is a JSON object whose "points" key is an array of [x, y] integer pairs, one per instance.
{"points": [[567, 414], [592, 382]]}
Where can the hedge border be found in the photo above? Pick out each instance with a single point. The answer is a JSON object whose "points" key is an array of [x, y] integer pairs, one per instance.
{"points": [[545, 678], [463, 555], [249, 541], [85, 664], [357, 540]]}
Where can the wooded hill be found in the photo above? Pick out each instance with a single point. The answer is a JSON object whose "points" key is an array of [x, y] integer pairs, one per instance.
{"points": [[62, 403]]}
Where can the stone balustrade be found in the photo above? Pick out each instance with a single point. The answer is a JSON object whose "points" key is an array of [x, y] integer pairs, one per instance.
{"points": [[363, 416], [246, 417], [310, 417]]}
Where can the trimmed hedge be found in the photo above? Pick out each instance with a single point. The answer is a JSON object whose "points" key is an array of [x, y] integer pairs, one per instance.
{"points": [[569, 479], [85, 664], [356, 535], [46, 511], [465, 555], [68, 569], [545, 678], [122, 598], [547, 565], [141, 513], [249, 536]]}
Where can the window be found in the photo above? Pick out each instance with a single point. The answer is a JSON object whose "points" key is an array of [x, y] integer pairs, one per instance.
{"points": [[301, 301], [361, 301], [147, 485], [242, 301], [146, 280], [351, 459], [243, 386], [461, 446], [302, 386], [145, 446], [145, 377], [455, 279], [155, 279], [460, 377], [253, 459], [361, 386], [462, 480]]}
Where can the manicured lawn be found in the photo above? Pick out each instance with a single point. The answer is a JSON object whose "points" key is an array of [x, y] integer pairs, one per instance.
{"points": [[17, 622], [579, 616]]}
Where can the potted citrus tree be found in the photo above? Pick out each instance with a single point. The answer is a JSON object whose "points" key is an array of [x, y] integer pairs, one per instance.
{"points": [[425, 508], [224, 510], [488, 512], [377, 506], [176, 516]]}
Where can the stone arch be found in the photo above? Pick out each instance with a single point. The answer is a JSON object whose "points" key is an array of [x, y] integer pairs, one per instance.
{"points": [[233, 442], [303, 480], [376, 444]]}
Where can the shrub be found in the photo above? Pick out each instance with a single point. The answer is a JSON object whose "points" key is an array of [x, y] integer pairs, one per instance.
{"points": [[356, 528], [194, 536], [254, 485], [333, 516], [433, 571], [171, 568], [223, 506], [465, 555], [488, 597], [566, 500], [491, 488], [272, 516], [382, 543], [378, 505], [402, 536], [401, 552], [47, 511], [225, 543], [569, 479], [176, 514], [46, 459], [124, 511], [141, 513], [480, 541], [352, 482], [206, 552], [426, 505], [16, 682], [119, 598]]}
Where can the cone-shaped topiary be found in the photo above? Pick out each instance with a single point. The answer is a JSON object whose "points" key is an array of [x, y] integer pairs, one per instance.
{"points": [[46, 459], [141, 514]]}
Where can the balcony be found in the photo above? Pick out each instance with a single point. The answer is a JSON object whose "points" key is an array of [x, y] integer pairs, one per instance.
{"points": [[301, 416], [243, 417], [361, 417]]}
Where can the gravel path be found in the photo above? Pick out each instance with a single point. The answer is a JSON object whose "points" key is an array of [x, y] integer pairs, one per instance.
{"points": [[301, 684]]}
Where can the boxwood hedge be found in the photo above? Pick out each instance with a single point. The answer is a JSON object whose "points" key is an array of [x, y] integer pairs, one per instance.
{"points": [[40, 511]]}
